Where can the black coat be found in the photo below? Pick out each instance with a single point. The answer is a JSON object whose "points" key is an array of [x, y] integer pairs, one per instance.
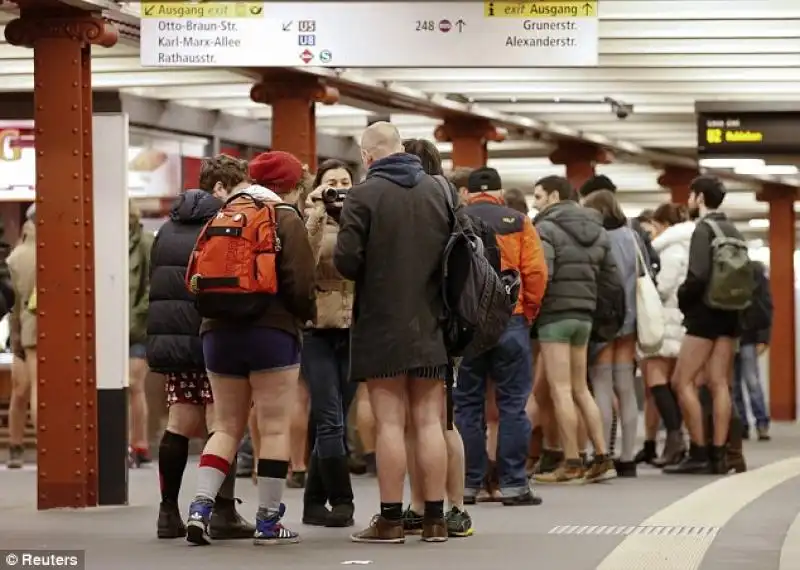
{"points": [[173, 323], [393, 230]]}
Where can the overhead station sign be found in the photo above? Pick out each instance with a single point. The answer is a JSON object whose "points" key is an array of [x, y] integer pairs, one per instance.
{"points": [[370, 34], [748, 133]]}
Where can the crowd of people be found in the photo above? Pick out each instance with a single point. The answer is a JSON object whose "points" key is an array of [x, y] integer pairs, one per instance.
{"points": [[335, 313]]}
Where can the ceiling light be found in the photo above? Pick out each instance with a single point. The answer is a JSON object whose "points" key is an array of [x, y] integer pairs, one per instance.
{"points": [[753, 169], [759, 223], [730, 162]]}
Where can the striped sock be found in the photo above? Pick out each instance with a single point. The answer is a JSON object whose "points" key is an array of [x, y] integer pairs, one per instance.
{"points": [[210, 475]]}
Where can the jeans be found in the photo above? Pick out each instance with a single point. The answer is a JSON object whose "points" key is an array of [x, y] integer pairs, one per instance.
{"points": [[325, 367], [747, 374], [509, 365]]}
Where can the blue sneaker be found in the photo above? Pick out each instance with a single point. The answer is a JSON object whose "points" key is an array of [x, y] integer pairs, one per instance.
{"points": [[269, 529], [197, 524]]}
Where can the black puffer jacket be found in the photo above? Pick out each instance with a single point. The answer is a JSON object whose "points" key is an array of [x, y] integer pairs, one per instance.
{"points": [[578, 254], [173, 324]]}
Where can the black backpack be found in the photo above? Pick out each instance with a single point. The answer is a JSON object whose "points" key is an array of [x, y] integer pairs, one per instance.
{"points": [[478, 302], [758, 316], [609, 313]]}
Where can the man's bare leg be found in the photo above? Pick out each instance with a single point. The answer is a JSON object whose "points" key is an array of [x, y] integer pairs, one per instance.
{"points": [[692, 358]]}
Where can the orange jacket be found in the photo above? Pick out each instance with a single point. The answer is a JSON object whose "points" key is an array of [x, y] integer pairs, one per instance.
{"points": [[520, 249]]}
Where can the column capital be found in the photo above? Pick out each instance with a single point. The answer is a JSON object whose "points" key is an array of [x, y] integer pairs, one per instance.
{"points": [[283, 85], [677, 177], [775, 191], [468, 128], [83, 28], [572, 152]]}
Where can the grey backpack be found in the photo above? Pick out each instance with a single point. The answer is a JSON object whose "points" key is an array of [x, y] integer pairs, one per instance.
{"points": [[732, 282]]}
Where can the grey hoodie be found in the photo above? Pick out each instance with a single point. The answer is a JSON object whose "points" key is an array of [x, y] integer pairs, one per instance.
{"points": [[577, 249]]}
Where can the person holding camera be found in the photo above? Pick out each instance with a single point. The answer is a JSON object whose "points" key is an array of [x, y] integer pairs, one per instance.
{"points": [[326, 357]]}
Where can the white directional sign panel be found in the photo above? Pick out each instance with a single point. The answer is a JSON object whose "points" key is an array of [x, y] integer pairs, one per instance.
{"points": [[370, 34]]}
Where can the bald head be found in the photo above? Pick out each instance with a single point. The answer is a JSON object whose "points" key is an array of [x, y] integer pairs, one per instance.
{"points": [[379, 141]]}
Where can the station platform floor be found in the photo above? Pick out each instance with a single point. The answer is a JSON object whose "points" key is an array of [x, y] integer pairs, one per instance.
{"points": [[653, 522]]}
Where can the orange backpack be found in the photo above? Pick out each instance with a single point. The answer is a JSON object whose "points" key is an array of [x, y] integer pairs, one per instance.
{"points": [[233, 269]]}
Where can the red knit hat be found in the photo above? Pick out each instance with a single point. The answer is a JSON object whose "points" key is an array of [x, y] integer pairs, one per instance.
{"points": [[279, 171]]}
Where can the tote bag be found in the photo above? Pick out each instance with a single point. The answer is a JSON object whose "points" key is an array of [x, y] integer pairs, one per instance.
{"points": [[650, 326]]}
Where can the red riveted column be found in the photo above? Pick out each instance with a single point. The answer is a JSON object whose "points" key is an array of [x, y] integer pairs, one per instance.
{"points": [[782, 358], [67, 418], [677, 179], [293, 97], [580, 159], [470, 138]]}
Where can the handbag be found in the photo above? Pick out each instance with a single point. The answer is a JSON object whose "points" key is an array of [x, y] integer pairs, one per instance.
{"points": [[650, 325]]}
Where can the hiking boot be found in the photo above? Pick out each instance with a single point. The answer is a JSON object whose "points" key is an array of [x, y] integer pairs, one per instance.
{"points": [[718, 459], [297, 480], [170, 524], [381, 531], [600, 469], [674, 449], [735, 454], [434, 530], [763, 433], [412, 521], [549, 461], [647, 454], [16, 457], [571, 472], [695, 463], [459, 523], [226, 522]]}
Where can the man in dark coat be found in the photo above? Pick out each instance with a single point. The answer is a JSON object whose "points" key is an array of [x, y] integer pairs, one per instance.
{"points": [[393, 230]]}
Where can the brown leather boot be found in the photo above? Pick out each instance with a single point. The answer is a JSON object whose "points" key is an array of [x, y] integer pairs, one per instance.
{"points": [[735, 454]]}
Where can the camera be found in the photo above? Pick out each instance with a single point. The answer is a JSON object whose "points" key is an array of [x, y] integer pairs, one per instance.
{"points": [[333, 195]]}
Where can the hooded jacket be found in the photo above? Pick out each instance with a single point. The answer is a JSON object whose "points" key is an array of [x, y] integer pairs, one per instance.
{"points": [[173, 323], [519, 246], [392, 233], [672, 247], [578, 253]]}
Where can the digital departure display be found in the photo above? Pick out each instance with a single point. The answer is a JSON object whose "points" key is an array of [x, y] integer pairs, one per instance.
{"points": [[748, 133]]}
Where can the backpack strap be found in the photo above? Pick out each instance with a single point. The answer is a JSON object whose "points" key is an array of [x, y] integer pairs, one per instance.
{"points": [[718, 233], [445, 187]]}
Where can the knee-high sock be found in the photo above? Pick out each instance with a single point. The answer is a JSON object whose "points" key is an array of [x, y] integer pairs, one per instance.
{"points": [[602, 376], [667, 407], [173, 453], [628, 408]]}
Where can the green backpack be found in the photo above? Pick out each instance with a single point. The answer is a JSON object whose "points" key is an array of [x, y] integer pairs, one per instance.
{"points": [[732, 283]]}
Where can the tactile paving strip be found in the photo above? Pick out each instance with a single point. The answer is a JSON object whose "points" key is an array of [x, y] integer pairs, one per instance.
{"points": [[700, 532]]}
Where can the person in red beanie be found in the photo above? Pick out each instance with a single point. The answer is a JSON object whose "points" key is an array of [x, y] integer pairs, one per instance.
{"points": [[280, 173], [258, 361]]}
